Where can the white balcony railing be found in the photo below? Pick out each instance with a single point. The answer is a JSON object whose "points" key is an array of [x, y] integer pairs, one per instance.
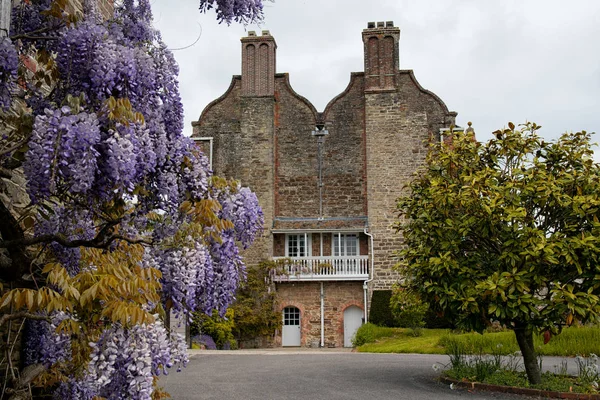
{"points": [[323, 268]]}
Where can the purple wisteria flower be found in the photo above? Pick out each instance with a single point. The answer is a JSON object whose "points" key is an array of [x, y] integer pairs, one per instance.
{"points": [[89, 167], [9, 62], [245, 11], [62, 153]]}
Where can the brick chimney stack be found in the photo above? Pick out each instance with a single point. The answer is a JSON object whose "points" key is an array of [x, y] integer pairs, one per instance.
{"points": [[258, 64], [382, 61]]}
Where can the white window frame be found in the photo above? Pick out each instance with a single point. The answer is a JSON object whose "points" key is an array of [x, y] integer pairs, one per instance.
{"points": [[307, 244], [210, 147], [336, 238]]}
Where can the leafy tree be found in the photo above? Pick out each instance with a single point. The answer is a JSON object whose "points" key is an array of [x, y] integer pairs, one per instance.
{"points": [[381, 311], [408, 309], [110, 217], [219, 328], [255, 307], [506, 231]]}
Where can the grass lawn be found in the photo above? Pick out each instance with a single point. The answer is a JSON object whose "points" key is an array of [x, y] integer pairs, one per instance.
{"points": [[402, 342], [572, 341]]}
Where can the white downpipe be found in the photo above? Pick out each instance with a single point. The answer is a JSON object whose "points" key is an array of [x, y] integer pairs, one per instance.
{"points": [[322, 301], [371, 273], [306, 245], [322, 316], [321, 245]]}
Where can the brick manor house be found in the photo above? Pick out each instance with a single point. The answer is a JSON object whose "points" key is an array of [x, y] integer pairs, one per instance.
{"points": [[327, 181]]}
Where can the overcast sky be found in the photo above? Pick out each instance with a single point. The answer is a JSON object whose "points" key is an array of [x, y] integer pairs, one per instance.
{"points": [[490, 61]]}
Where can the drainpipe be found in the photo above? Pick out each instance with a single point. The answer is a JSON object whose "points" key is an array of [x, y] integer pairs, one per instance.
{"points": [[320, 132], [322, 317], [5, 8], [322, 301], [371, 272]]}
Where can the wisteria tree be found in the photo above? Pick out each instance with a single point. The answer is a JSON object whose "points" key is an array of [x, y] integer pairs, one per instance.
{"points": [[110, 218]]}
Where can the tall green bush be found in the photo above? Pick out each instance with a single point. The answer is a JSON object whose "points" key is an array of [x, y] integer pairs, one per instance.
{"points": [[217, 327], [369, 333], [255, 310], [381, 313], [407, 309]]}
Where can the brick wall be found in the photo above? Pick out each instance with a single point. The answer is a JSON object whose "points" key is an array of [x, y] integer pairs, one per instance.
{"points": [[279, 245], [221, 121], [379, 129], [399, 126], [316, 245], [327, 240], [242, 132], [344, 170], [255, 167], [297, 192], [307, 297]]}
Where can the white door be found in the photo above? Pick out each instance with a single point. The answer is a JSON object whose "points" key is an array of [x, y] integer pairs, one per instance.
{"points": [[352, 321], [291, 327]]}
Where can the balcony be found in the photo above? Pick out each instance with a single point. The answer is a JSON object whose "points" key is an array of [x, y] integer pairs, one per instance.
{"points": [[330, 268]]}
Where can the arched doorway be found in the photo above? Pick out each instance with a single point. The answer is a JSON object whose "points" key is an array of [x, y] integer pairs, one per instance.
{"points": [[290, 334], [353, 319]]}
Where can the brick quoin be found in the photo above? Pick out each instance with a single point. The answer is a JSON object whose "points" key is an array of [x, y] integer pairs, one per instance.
{"points": [[378, 128]]}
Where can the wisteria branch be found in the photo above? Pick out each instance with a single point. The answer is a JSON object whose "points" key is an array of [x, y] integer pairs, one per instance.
{"points": [[99, 242], [10, 317], [16, 146], [33, 34]]}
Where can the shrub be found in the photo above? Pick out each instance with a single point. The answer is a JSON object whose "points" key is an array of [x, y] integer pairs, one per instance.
{"points": [[408, 310], [436, 320], [381, 313], [220, 329], [204, 340], [369, 333], [415, 332], [255, 308]]}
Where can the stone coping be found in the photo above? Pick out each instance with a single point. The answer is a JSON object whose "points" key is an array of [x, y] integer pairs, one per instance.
{"points": [[548, 394]]}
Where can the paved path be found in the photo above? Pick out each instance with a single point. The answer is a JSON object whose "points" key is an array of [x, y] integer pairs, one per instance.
{"points": [[317, 374]]}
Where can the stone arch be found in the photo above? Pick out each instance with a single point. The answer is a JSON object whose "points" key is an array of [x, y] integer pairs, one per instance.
{"points": [[340, 319], [303, 321]]}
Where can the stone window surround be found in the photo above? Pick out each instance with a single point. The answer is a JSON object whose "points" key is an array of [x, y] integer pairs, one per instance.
{"points": [[298, 236], [208, 139], [334, 237], [346, 245]]}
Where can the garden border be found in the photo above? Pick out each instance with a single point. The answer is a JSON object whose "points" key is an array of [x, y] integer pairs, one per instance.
{"points": [[549, 394]]}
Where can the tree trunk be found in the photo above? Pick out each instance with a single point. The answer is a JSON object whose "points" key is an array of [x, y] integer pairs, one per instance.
{"points": [[524, 335]]}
